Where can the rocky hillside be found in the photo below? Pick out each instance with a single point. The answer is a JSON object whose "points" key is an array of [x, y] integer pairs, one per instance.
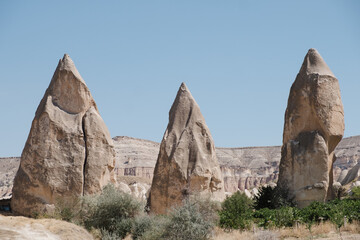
{"points": [[49, 229], [8, 168], [242, 168]]}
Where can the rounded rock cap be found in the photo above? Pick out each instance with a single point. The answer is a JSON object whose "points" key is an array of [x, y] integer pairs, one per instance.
{"points": [[314, 63]]}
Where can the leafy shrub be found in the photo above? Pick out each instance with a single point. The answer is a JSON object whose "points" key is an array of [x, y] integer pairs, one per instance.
{"points": [[355, 192], [236, 212], [68, 210], [272, 198], [350, 208], [282, 217], [141, 225], [264, 217], [112, 211], [106, 235], [150, 227], [195, 219], [315, 212], [190, 221]]}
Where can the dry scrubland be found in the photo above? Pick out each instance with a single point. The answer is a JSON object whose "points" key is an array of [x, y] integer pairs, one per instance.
{"points": [[321, 231]]}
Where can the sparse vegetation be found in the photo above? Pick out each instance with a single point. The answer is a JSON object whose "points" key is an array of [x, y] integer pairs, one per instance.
{"points": [[355, 192], [236, 212], [112, 211], [114, 215]]}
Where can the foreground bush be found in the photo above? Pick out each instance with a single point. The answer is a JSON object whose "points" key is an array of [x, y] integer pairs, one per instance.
{"points": [[149, 227], [282, 217], [236, 212], [112, 211], [190, 221], [195, 219], [355, 192]]}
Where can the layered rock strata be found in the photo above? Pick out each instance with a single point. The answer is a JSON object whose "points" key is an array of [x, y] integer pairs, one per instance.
{"points": [[187, 162], [69, 151], [314, 125]]}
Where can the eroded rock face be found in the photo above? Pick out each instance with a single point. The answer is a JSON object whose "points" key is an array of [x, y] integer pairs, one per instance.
{"points": [[187, 162], [69, 151], [314, 125], [352, 175]]}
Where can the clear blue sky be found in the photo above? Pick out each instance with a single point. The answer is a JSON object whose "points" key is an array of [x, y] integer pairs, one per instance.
{"points": [[238, 58]]}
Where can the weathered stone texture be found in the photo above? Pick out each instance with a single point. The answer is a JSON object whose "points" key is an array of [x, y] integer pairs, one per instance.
{"points": [[314, 125], [187, 162], [69, 150]]}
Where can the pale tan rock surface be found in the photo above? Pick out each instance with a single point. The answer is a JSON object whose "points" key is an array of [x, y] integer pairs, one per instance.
{"points": [[69, 151], [352, 175], [22, 228], [314, 125], [187, 162]]}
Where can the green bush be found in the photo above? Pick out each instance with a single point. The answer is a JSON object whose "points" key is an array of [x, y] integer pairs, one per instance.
{"points": [[315, 212], [355, 192], [141, 225], [112, 211], [68, 210], [190, 221], [195, 219], [282, 217], [150, 227], [350, 208], [236, 212], [272, 198]]}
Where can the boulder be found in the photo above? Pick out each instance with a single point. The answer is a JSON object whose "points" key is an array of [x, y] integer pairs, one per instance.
{"points": [[352, 175], [69, 151], [23, 228], [314, 125], [187, 162]]}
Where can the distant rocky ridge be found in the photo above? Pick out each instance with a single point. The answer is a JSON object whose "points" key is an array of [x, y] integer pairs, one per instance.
{"points": [[243, 168]]}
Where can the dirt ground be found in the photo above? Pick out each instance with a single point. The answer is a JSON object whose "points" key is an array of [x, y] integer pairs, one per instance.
{"points": [[322, 231], [22, 228]]}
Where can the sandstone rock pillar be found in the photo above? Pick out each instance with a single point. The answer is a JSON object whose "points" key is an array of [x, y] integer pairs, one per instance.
{"points": [[187, 163], [314, 125], [69, 150]]}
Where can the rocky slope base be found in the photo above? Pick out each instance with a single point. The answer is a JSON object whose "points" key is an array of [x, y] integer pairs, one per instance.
{"points": [[242, 168], [49, 229]]}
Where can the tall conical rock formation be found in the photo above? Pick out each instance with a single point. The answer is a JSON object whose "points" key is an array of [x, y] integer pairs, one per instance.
{"points": [[69, 151], [187, 162], [314, 125]]}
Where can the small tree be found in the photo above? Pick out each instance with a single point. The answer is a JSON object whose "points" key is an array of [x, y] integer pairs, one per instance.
{"points": [[112, 211], [236, 212], [272, 198], [193, 220], [355, 192]]}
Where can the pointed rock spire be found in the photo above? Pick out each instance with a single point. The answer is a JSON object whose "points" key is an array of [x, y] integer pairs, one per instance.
{"points": [[68, 90], [187, 163], [314, 125], [69, 151], [314, 63]]}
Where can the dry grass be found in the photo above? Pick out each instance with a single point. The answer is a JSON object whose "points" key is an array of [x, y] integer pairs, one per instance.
{"points": [[319, 231]]}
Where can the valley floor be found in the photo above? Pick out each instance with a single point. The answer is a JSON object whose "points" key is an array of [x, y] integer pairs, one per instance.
{"points": [[326, 231], [23, 228]]}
